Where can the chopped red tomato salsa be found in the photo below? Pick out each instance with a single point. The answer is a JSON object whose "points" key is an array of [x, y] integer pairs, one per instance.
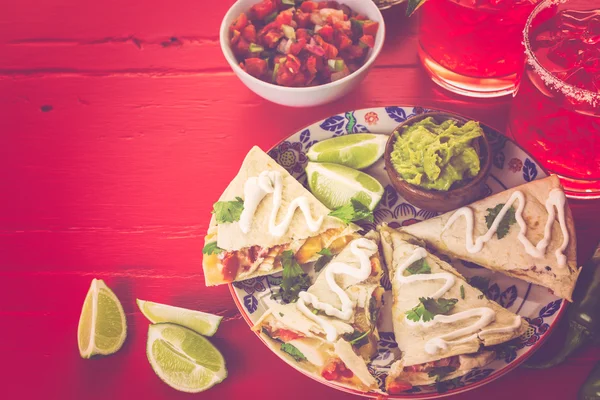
{"points": [[335, 370], [286, 335], [316, 43], [398, 387]]}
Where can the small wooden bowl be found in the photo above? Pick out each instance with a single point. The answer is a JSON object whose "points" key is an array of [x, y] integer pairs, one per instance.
{"points": [[460, 194]]}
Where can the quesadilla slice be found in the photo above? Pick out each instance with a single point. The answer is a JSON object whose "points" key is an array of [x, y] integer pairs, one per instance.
{"points": [[331, 331], [526, 232], [261, 214], [444, 327]]}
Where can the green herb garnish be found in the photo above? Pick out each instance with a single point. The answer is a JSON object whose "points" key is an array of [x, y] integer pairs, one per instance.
{"points": [[441, 372], [294, 279], [462, 292], [228, 211], [418, 267], [211, 248], [480, 283], [357, 338], [373, 311], [326, 256], [505, 222], [354, 211], [429, 308], [293, 351]]}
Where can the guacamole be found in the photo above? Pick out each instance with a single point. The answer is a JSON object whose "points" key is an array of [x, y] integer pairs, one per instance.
{"points": [[435, 156]]}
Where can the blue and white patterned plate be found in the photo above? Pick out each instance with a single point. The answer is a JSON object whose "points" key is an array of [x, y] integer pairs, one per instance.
{"points": [[512, 166]]}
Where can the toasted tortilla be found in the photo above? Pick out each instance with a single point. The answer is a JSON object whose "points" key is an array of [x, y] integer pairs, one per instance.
{"points": [[468, 362], [412, 338], [315, 346], [508, 255], [230, 237]]}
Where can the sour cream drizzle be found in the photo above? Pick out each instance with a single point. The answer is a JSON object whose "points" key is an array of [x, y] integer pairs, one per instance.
{"points": [[363, 249], [556, 201], [486, 315], [255, 190]]}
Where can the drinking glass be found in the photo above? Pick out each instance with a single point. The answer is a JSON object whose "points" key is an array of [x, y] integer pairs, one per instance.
{"points": [[555, 114], [473, 47]]}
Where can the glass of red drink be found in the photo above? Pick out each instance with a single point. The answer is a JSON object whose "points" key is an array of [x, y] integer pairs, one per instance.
{"points": [[474, 47], [555, 114]]}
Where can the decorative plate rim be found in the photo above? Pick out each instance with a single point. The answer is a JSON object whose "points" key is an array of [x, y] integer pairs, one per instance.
{"points": [[421, 396]]}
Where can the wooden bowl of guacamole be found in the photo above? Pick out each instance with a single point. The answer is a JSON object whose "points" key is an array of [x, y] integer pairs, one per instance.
{"points": [[439, 161]]}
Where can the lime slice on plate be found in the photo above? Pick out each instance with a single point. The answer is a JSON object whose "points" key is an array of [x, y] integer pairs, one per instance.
{"points": [[335, 185], [203, 323], [358, 151], [183, 359], [102, 326]]}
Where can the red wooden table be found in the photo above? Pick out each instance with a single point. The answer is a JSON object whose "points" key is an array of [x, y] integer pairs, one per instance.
{"points": [[120, 125]]}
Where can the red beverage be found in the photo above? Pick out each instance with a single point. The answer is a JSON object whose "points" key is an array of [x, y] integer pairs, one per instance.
{"points": [[556, 111], [473, 47]]}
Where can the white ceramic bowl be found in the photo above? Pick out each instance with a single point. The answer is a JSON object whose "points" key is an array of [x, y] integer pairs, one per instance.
{"points": [[304, 96]]}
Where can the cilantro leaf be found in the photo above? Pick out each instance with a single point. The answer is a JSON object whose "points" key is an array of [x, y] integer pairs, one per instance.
{"points": [[429, 308], [418, 267], [354, 211], [293, 351], [211, 248], [294, 279], [228, 211], [322, 262], [480, 283], [357, 338], [462, 292], [373, 311], [505, 222], [325, 252], [441, 372]]}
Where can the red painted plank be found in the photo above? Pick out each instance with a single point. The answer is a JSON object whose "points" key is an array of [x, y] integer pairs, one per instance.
{"points": [[169, 47]]}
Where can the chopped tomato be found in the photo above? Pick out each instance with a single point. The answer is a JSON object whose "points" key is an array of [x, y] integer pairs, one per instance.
{"points": [[370, 28], [249, 33], [297, 47], [256, 67], [239, 23], [271, 38], [241, 47], [302, 19], [335, 370], [326, 33], [263, 9], [311, 64], [302, 34], [341, 40], [285, 17], [230, 264], [353, 52], [286, 335], [398, 387], [309, 6], [367, 40]]}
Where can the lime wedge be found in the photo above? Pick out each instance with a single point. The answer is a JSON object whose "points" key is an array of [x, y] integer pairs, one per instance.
{"points": [[203, 323], [335, 185], [183, 359], [102, 326], [358, 151]]}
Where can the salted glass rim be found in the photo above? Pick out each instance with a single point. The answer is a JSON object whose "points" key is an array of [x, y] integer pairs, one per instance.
{"points": [[574, 92]]}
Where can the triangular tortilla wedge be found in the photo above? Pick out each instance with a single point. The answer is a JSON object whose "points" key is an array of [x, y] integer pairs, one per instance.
{"points": [[508, 255], [289, 323], [442, 341], [256, 252]]}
